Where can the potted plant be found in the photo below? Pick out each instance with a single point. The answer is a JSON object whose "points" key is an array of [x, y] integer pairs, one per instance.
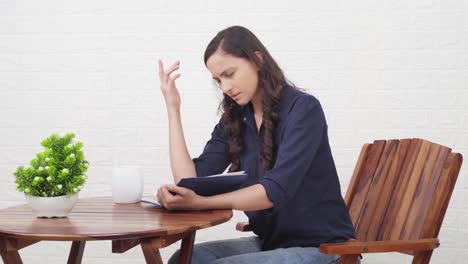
{"points": [[55, 176]]}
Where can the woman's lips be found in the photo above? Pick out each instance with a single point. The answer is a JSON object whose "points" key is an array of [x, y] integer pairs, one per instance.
{"points": [[236, 97]]}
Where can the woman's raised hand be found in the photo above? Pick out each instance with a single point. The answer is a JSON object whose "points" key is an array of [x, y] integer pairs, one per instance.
{"points": [[168, 87]]}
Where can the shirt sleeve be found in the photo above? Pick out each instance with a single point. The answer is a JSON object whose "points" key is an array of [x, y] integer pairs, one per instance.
{"points": [[213, 160], [303, 132]]}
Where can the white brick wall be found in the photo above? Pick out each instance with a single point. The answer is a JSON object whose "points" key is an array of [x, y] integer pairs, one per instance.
{"points": [[382, 69]]}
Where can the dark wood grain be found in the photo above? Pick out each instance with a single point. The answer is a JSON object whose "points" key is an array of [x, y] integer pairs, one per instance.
{"points": [[16, 244], [99, 218], [243, 227], [76, 252], [425, 192], [349, 248], [349, 259], [418, 194], [152, 255], [441, 196], [353, 184], [122, 245], [384, 198], [357, 205], [368, 215], [398, 193], [410, 191], [398, 197], [167, 240], [9, 255], [422, 257], [186, 248]]}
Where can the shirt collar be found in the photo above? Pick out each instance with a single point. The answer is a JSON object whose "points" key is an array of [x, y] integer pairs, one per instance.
{"points": [[287, 96]]}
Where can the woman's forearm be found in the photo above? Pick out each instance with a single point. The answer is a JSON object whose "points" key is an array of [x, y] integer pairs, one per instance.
{"points": [[251, 198], [181, 163]]}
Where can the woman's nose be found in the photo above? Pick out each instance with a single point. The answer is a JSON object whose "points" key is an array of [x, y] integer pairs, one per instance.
{"points": [[227, 86]]}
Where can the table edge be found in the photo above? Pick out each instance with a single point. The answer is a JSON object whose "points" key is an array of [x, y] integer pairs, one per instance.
{"points": [[129, 235]]}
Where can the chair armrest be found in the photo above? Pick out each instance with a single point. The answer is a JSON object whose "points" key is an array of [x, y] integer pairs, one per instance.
{"points": [[243, 227], [357, 247]]}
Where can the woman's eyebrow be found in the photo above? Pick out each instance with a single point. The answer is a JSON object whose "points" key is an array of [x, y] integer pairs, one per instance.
{"points": [[223, 73]]}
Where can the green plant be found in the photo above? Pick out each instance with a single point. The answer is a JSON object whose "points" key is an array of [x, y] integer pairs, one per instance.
{"points": [[58, 170]]}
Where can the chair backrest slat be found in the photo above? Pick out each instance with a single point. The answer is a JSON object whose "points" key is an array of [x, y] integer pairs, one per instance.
{"points": [[441, 197], [364, 180], [398, 192], [400, 189], [360, 164], [424, 192], [385, 193], [368, 214], [409, 191]]}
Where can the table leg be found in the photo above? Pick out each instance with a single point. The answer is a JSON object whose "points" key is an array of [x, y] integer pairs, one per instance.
{"points": [[152, 255], [186, 248], [76, 252], [9, 256]]}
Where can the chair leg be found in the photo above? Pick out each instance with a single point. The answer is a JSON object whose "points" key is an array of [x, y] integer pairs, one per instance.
{"points": [[422, 257], [349, 259], [76, 252]]}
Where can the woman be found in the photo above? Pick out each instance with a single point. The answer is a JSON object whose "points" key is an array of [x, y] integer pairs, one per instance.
{"points": [[278, 136]]}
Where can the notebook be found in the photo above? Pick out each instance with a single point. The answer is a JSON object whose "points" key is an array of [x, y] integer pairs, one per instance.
{"points": [[215, 184], [151, 201], [208, 186]]}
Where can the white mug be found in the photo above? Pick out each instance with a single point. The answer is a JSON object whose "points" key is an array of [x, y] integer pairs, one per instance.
{"points": [[127, 184]]}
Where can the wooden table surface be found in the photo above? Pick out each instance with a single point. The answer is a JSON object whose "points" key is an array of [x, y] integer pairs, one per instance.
{"points": [[99, 218]]}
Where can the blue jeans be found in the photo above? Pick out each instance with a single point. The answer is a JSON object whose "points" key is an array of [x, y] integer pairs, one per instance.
{"points": [[248, 250]]}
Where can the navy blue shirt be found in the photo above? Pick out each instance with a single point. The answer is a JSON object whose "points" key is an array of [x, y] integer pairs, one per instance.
{"points": [[303, 184]]}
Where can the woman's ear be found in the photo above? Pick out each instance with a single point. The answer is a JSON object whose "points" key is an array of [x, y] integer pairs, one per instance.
{"points": [[259, 56]]}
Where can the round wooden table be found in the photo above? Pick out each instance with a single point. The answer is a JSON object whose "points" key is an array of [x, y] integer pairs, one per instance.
{"points": [[99, 218]]}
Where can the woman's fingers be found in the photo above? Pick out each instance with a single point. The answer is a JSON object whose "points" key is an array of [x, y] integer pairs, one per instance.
{"points": [[160, 199], [167, 81], [165, 194], [173, 78], [164, 74], [177, 189], [173, 197], [161, 70], [170, 70], [166, 197], [163, 199]]}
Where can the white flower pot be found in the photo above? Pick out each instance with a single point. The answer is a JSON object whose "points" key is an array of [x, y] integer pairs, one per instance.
{"points": [[58, 206]]}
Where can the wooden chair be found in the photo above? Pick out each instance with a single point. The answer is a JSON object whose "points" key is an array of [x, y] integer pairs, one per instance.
{"points": [[397, 199]]}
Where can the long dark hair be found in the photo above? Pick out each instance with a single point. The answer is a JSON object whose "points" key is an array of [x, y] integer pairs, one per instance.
{"points": [[241, 42]]}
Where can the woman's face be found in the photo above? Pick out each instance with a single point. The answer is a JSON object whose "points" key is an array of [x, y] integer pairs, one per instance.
{"points": [[237, 77]]}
